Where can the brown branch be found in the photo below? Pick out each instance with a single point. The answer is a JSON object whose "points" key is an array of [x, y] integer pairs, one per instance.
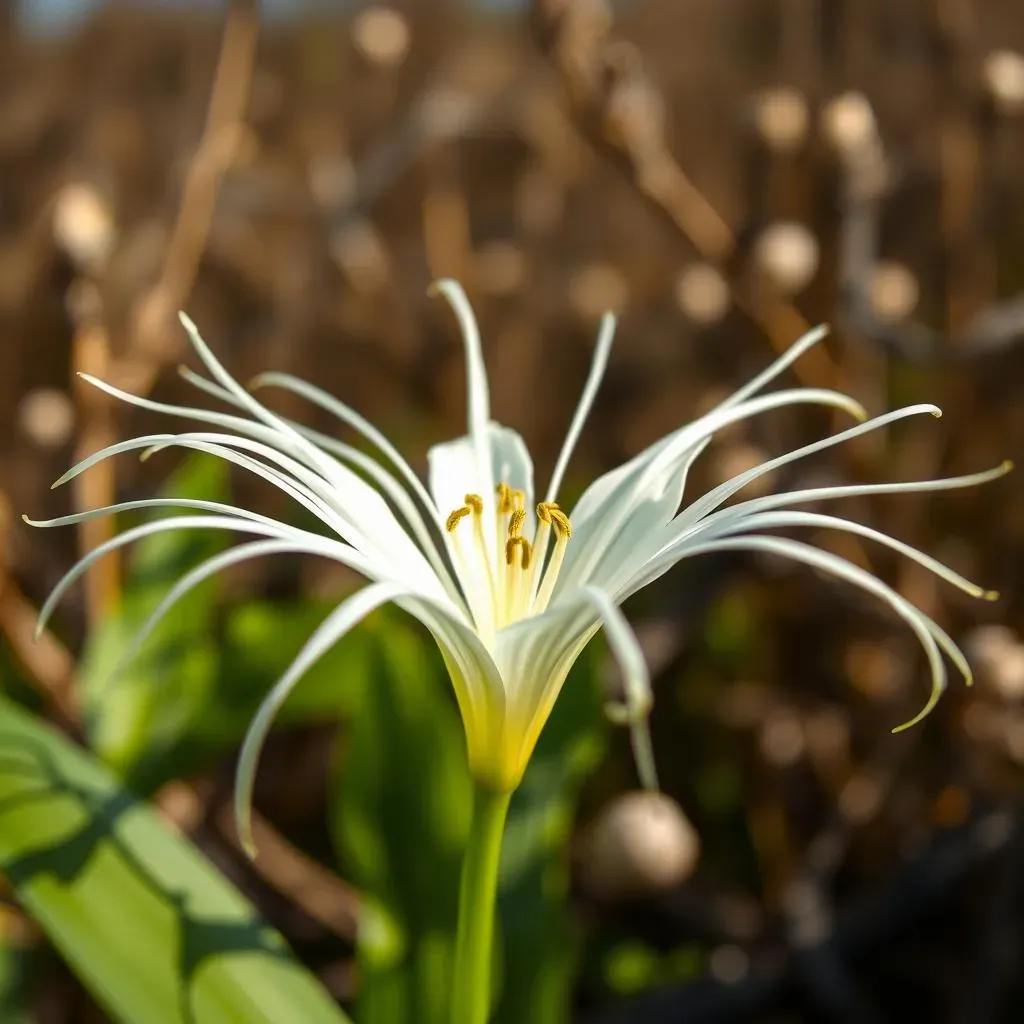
{"points": [[48, 665], [620, 109], [152, 343], [867, 181]]}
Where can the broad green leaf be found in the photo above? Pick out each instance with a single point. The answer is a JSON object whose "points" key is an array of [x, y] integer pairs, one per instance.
{"points": [[151, 928], [400, 818]]}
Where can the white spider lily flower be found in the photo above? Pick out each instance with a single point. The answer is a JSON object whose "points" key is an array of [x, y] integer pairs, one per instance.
{"points": [[511, 587]]}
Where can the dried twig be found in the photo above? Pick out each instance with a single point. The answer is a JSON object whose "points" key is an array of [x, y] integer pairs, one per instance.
{"points": [[867, 179], [152, 343], [150, 346], [621, 110], [47, 663]]}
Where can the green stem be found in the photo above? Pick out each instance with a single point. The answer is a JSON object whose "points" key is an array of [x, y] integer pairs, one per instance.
{"points": [[471, 991]]}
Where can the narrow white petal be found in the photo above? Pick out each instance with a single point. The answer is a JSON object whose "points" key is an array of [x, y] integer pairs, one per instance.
{"points": [[928, 632], [478, 398], [234, 424], [598, 363], [605, 507], [153, 503], [677, 548], [204, 571], [627, 651], [782, 363], [348, 483], [649, 540], [715, 497], [330, 631], [347, 415], [293, 487], [388, 485], [145, 530], [775, 520]]}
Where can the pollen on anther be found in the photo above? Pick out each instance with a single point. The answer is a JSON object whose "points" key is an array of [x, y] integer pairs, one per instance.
{"points": [[515, 524], [526, 551], [455, 517], [504, 498], [561, 522], [474, 502], [544, 509]]}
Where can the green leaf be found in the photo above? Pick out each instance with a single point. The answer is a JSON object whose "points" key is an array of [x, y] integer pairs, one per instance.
{"points": [[261, 638], [136, 716], [150, 927], [400, 818]]}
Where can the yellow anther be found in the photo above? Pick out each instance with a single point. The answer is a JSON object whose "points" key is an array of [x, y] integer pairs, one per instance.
{"points": [[504, 499], [544, 510], [518, 499], [526, 551], [561, 522], [515, 524], [474, 502], [455, 517], [549, 512]]}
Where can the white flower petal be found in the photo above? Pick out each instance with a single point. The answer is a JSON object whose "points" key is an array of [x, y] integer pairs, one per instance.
{"points": [[348, 614], [535, 655], [479, 687], [928, 632], [388, 485], [204, 571], [609, 502], [652, 538], [293, 487], [670, 553], [775, 520], [478, 400], [780, 365], [627, 651], [154, 503], [347, 415], [598, 363], [145, 530], [453, 474]]}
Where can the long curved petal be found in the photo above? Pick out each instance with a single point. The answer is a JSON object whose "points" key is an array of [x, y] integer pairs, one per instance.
{"points": [[598, 364], [478, 400], [928, 632], [652, 478], [211, 567], [148, 529], [348, 614]]}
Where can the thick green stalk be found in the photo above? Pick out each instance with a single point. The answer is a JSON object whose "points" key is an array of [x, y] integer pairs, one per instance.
{"points": [[471, 990]]}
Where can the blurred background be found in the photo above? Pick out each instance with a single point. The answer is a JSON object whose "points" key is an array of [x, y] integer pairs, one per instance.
{"points": [[721, 173]]}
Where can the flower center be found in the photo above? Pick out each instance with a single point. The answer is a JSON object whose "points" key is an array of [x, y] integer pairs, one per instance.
{"points": [[516, 579]]}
